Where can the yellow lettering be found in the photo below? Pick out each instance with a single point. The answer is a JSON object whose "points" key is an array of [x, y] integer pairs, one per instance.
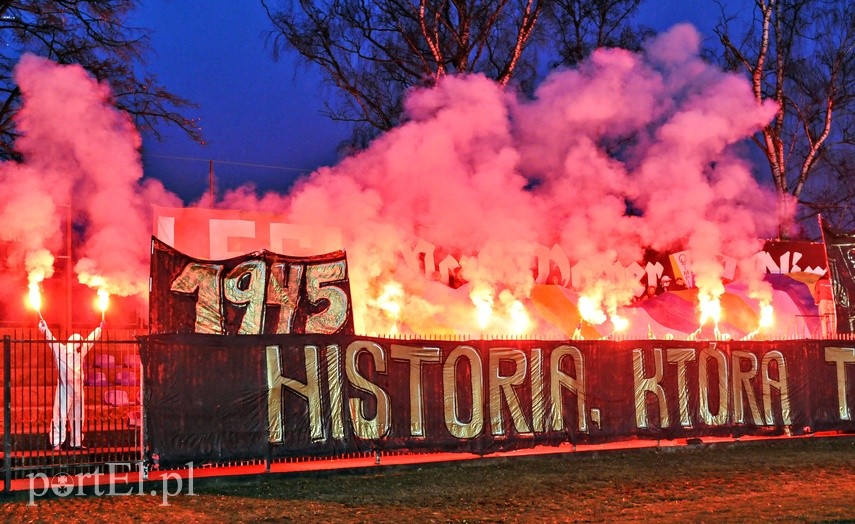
{"points": [[364, 427]]}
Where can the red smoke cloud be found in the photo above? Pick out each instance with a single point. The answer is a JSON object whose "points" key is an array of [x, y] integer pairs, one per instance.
{"points": [[475, 171], [80, 151], [488, 176]]}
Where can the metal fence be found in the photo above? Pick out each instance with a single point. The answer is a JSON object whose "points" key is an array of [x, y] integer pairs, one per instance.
{"points": [[113, 405], [111, 413]]}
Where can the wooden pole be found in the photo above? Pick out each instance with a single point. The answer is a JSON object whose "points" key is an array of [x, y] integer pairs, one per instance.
{"points": [[211, 181], [68, 270]]}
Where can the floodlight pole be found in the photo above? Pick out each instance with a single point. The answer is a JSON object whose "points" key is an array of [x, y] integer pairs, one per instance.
{"points": [[68, 282], [211, 181], [68, 268]]}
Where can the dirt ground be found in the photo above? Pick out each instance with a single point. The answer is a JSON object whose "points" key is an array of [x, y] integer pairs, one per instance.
{"points": [[790, 480]]}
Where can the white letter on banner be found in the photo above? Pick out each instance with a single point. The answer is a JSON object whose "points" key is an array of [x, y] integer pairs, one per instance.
{"points": [[780, 384], [417, 357], [364, 427], [559, 381], [502, 387], [712, 354], [310, 391], [545, 258], [166, 229], [644, 384], [221, 231], [634, 272], [411, 257], [304, 239], [764, 261], [841, 357], [451, 397], [446, 268], [680, 356], [742, 389]]}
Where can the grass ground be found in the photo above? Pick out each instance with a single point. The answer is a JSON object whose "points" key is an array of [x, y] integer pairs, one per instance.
{"points": [[792, 480]]}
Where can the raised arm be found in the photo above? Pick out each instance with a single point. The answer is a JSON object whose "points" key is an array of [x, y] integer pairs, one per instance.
{"points": [[56, 347], [95, 335], [43, 327]]}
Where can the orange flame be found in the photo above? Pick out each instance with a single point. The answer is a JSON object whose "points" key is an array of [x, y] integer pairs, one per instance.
{"points": [[389, 302], [589, 310], [767, 316], [390, 299], [504, 313], [39, 264], [103, 300], [620, 323], [520, 321], [577, 333], [710, 308], [765, 322], [35, 297], [482, 298]]}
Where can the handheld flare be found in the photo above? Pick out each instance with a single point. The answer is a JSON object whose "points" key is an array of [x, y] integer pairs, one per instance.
{"points": [[35, 298], [103, 301]]}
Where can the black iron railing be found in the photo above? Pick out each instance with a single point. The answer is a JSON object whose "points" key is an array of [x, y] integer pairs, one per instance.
{"points": [[112, 407]]}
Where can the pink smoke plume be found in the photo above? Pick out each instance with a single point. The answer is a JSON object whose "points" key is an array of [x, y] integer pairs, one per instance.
{"points": [[78, 151], [628, 151], [489, 177]]}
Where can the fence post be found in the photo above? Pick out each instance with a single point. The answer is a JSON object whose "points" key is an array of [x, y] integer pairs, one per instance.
{"points": [[7, 413]]}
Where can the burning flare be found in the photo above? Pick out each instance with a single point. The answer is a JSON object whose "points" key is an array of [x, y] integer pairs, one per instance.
{"points": [[39, 265], [620, 323], [518, 318], [577, 333], [389, 302], [767, 316], [482, 298], [765, 322], [35, 297], [500, 314], [103, 301], [590, 311], [710, 308]]}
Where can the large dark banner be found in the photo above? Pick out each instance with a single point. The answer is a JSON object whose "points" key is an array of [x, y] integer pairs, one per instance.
{"points": [[257, 293], [841, 265], [227, 398]]}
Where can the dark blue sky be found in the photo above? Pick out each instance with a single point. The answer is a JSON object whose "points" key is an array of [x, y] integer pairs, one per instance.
{"points": [[262, 119], [252, 110]]}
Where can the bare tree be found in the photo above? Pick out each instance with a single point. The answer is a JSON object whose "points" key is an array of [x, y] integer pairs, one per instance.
{"points": [[93, 34], [374, 50], [801, 54], [371, 52], [578, 27], [832, 193]]}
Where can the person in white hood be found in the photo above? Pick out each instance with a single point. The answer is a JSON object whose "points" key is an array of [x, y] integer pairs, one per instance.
{"points": [[68, 399]]}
